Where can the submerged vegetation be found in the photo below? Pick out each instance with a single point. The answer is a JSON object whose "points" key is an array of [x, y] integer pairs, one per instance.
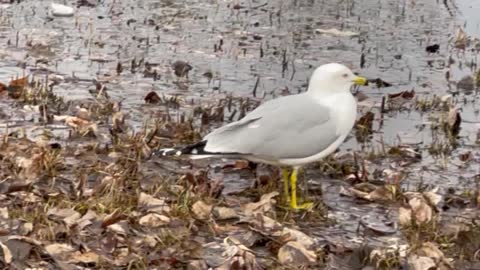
{"points": [[80, 188]]}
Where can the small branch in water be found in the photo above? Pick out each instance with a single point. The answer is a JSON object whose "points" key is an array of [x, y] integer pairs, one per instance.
{"points": [[284, 63], [293, 70], [255, 87], [230, 118], [382, 111]]}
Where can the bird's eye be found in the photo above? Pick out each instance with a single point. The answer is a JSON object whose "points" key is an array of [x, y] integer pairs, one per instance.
{"points": [[345, 75]]}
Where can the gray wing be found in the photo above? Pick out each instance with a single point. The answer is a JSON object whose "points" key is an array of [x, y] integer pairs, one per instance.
{"points": [[287, 127]]}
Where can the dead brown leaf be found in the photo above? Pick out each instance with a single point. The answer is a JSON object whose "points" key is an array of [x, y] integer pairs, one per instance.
{"points": [[7, 254], [461, 39], [397, 100], [466, 156], [72, 121], [202, 210], [223, 213], [86, 258], [19, 83], [264, 205], [295, 254], [67, 215], [59, 250], [154, 220], [151, 204], [454, 120], [152, 98], [370, 192], [113, 218]]}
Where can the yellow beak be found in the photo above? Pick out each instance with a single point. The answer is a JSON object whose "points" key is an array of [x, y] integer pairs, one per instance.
{"points": [[360, 80]]}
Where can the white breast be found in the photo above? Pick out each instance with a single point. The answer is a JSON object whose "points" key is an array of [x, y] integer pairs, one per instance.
{"points": [[344, 110]]}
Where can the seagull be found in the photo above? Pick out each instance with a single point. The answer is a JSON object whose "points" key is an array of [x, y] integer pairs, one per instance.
{"points": [[290, 131]]}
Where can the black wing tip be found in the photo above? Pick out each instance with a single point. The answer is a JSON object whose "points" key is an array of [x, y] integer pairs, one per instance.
{"points": [[168, 152], [194, 149]]}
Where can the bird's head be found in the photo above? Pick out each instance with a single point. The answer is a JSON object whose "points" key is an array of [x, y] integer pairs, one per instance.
{"points": [[334, 77]]}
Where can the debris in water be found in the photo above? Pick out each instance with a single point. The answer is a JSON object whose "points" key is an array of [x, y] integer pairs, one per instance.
{"points": [[379, 83], [420, 208], [428, 256], [152, 98], [454, 120], [336, 32], [397, 100], [294, 253], [461, 39], [466, 83], [181, 68], [264, 205], [433, 48], [87, 3], [465, 157], [61, 10], [201, 210]]}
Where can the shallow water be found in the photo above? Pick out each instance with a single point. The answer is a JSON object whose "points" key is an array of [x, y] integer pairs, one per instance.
{"points": [[275, 41]]}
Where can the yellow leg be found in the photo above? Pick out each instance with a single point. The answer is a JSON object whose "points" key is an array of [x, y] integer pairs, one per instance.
{"points": [[293, 184], [285, 175]]}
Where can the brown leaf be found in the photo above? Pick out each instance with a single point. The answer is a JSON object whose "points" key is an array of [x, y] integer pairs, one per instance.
{"points": [[113, 217], [19, 83], [461, 39], [298, 236], [152, 98], [59, 250], [88, 219], [432, 198], [425, 255], [366, 121], [264, 225], [372, 192], [67, 215], [86, 258], [416, 262], [202, 210], [3, 88], [454, 120], [295, 254], [241, 164], [421, 210], [197, 265], [118, 121], [120, 228], [4, 213], [181, 68], [6, 254], [223, 213], [154, 220], [465, 157], [466, 83], [151, 204], [264, 205], [404, 216], [83, 113], [397, 100], [72, 121], [25, 229], [429, 249], [21, 246]]}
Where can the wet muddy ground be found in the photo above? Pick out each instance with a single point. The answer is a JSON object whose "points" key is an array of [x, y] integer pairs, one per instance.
{"points": [[110, 84]]}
